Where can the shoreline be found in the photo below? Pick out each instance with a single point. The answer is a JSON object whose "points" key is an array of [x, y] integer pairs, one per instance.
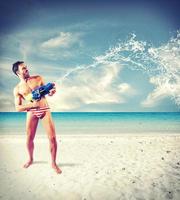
{"points": [[148, 134]]}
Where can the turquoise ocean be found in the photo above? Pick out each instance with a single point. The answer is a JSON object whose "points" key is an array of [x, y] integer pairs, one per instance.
{"points": [[97, 122]]}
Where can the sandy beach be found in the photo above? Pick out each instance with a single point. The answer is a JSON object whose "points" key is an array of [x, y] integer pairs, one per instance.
{"points": [[93, 168]]}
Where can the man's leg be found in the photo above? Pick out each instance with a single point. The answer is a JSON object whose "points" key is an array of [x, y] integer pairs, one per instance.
{"points": [[31, 125], [50, 129]]}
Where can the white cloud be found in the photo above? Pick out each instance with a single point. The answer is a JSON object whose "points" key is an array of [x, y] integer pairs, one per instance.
{"points": [[6, 103], [98, 83], [63, 40], [162, 64], [25, 48], [125, 88], [89, 86], [163, 89], [167, 79]]}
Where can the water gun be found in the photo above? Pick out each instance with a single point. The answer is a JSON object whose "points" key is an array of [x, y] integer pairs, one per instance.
{"points": [[39, 92]]}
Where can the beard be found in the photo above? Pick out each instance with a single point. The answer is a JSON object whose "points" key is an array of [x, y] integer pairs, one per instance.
{"points": [[26, 75]]}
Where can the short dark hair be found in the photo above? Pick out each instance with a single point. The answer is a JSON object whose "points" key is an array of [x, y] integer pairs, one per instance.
{"points": [[16, 66]]}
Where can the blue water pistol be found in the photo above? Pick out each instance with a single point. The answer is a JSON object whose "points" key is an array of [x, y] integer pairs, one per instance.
{"points": [[40, 92]]}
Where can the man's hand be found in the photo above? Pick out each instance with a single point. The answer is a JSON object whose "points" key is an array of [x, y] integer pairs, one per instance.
{"points": [[52, 91]]}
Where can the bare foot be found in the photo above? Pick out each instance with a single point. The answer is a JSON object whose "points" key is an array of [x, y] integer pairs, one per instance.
{"points": [[26, 165], [56, 168]]}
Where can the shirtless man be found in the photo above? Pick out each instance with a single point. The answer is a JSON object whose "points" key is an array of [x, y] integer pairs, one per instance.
{"points": [[35, 111]]}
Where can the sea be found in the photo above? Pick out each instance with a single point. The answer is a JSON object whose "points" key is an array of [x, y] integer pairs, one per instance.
{"points": [[97, 123]]}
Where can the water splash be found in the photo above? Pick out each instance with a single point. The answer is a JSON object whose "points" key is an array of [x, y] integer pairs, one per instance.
{"points": [[162, 64]]}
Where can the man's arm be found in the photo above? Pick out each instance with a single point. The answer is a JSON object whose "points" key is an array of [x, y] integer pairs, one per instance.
{"points": [[18, 102]]}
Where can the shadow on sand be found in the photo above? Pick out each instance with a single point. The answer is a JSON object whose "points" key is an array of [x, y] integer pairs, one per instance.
{"points": [[59, 164], [69, 164], [40, 162]]}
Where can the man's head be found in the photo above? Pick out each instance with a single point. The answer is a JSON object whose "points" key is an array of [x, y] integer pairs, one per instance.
{"points": [[20, 69]]}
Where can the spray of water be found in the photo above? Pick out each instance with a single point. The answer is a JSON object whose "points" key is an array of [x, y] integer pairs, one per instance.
{"points": [[162, 64]]}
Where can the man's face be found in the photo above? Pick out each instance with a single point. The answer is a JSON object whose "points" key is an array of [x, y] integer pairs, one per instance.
{"points": [[23, 71]]}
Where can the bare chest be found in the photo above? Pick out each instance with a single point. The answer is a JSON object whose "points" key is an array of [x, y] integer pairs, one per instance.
{"points": [[26, 88]]}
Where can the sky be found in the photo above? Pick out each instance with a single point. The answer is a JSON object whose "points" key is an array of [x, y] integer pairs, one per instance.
{"points": [[104, 56]]}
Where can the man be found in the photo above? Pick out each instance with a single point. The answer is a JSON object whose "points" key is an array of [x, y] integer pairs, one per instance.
{"points": [[35, 111]]}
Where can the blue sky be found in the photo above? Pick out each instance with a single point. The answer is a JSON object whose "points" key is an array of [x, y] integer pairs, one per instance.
{"points": [[103, 55]]}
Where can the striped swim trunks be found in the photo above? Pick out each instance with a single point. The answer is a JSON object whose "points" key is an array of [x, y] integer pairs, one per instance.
{"points": [[39, 112]]}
